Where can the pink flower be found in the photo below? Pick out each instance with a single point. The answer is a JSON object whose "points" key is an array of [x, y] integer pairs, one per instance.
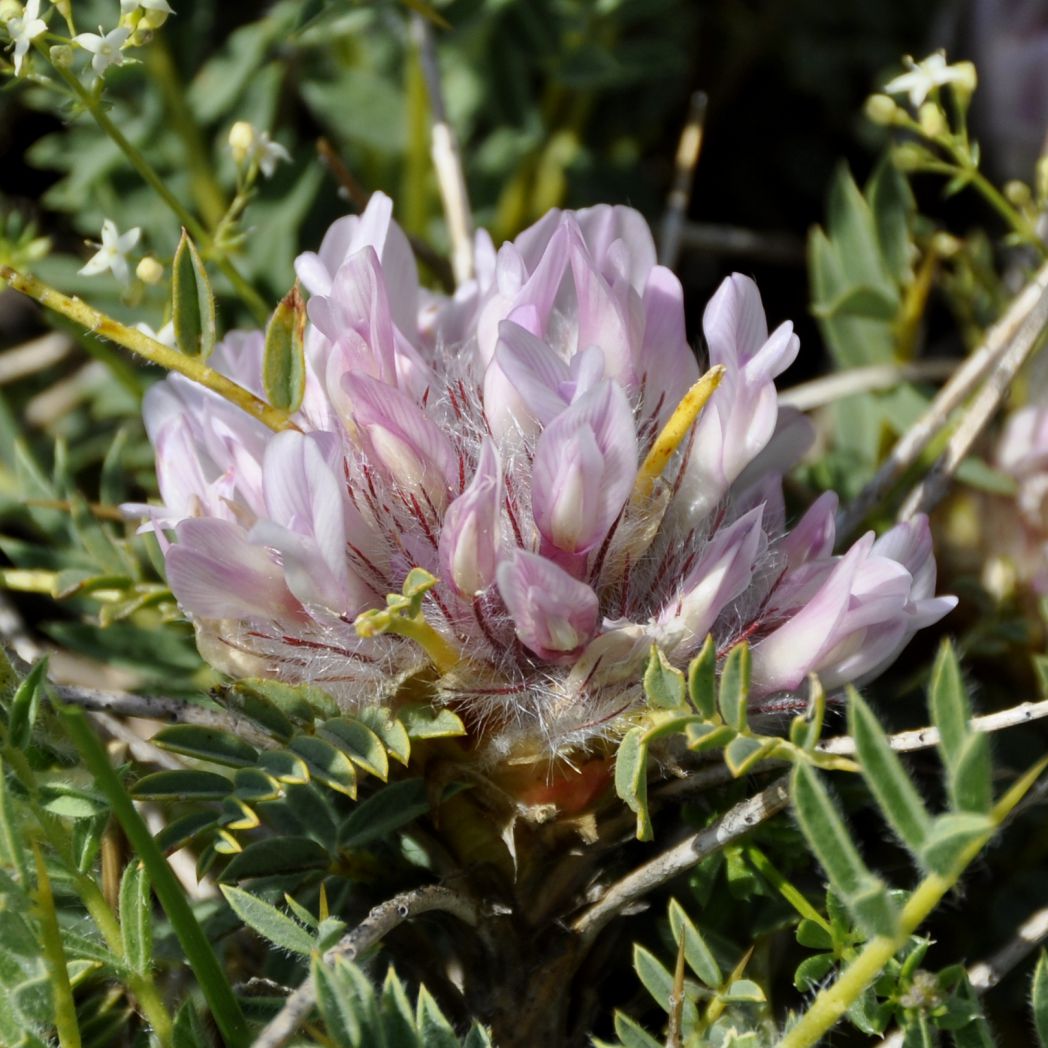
{"points": [[522, 443]]}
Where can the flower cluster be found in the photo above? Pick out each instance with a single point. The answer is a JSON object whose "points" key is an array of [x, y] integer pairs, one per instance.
{"points": [[537, 463]]}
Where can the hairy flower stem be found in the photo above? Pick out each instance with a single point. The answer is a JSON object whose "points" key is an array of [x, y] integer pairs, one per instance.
{"points": [[250, 297], [832, 1003], [137, 342]]}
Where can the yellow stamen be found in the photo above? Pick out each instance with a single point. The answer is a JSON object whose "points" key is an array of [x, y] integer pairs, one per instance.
{"points": [[675, 430]]}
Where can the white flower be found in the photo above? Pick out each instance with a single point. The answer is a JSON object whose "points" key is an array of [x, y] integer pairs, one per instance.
{"points": [[129, 7], [24, 30], [112, 255], [252, 146], [104, 46], [929, 74]]}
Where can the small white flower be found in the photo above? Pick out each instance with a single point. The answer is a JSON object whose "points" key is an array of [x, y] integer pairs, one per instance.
{"points": [[925, 76], [104, 46], [24, 30], [112, 255], [129, 7], [252, 146]]}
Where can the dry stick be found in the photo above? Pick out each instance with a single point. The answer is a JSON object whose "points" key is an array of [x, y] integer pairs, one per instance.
{"points": [[822, 391], [996, 344], [982, 408], [33, 356], [149, 707], [350, 187], [375, 927], [688, 149], [718, 239], [1028, 936], [924, 738], [681, 857], [447, 160]]}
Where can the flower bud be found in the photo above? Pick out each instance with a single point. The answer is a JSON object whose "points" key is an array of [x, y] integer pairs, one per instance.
{"points": [[149, 270], [61, 56], [964, 81], [909, 156], [1017, 193], [882, 110], [945, 245], [241, 140], [932, 120]]}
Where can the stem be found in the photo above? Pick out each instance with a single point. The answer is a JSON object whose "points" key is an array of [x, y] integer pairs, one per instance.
{"points": [[208, 194], [198, 950], [375, 927], [251, 298], [51, 939], [832, 1003], [1016, 219], [131, 338]]}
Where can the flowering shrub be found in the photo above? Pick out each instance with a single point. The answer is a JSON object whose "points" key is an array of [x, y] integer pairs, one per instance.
{"points": [[524, 453]]}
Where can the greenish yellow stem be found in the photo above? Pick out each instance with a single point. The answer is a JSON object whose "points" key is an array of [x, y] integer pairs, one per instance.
{"points": [[148, 348], [832, 1003], [675, 430], [195, 229], [51, 939], [441, 652], [27, 580], [206, 191]]}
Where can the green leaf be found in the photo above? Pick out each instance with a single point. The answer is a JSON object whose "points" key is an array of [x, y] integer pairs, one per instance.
{"points": [[136, 917], [860, 301], [743, 752], [286, 768], [812, 971], [663, 683], [656, 977], [385, 812], [326, 764], [179, 832], [632, 1034], [207, 744], [631, 779], [832, 845], [182, 785], [1039, 999], [702, 674], [192, 302], [949, 704], [24, 707], [398, 1017], [735, 687], [970, 777], [338, 1003], [813, 935], [885, 776], [707, 736], [284, 359], [301, 703], [277, 856], [893, 207], [743, 991], [391, 731], [434, 1030], [254, 785], [188, 1031], [950, 836], [248, 702], [268, 921], [428, 722], [363, 747], [698, 955]]}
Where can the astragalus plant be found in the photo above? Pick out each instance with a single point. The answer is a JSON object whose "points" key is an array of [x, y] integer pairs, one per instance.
{"points": [[475, 601]]}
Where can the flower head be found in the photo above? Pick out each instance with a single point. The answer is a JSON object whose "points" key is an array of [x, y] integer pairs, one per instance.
{"points": [[24, 29], [113, 252], [532, 446], [104, 47], [251, 146], [928, 75]]}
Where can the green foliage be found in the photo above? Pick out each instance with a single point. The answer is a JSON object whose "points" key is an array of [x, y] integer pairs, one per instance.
{"points": [[284, 357], [1039, 999], [356, 1016], [192, 301]]}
